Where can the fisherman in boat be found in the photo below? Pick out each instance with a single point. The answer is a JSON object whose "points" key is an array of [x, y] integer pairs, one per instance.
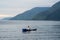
{"points": [[28, 27]]}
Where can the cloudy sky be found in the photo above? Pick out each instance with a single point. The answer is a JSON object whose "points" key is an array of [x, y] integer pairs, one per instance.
{"points": [[14, 7]]}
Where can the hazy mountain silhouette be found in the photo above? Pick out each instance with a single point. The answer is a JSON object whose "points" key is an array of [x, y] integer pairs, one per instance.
{"points": [[52, 14], [29, 13], [6, 18], [40, 13]]}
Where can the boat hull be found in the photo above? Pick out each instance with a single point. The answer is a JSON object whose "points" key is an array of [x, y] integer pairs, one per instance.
{"points": [[27, 30]]}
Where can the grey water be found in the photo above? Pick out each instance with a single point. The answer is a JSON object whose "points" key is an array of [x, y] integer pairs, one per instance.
{"points": [[46, 30]]}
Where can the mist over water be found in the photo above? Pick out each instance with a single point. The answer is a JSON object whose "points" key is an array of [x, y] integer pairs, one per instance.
{"points": [[46, 30]]}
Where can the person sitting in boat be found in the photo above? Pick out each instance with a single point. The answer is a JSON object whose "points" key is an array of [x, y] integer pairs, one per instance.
{"points": [[29, 28]]}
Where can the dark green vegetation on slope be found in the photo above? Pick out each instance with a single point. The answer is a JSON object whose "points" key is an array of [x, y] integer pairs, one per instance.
{"points": [[52, 14]]}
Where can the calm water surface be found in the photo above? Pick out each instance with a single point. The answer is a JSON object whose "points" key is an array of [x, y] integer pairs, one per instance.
{"points": [[46, 30]]}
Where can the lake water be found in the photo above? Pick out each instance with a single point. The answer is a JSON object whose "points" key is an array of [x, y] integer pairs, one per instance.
{"points": [[46, 30]]}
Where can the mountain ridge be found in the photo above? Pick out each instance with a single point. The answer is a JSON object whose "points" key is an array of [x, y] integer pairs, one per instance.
{"points": [[41, 13], [30, 13], [48, 15]]}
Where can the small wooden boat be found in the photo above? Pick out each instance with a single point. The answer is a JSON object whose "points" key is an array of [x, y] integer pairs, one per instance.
{"points": [[27, 30]]}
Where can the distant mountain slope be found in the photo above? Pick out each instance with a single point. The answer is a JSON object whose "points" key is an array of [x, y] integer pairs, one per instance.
{"points": [[52, 14], [29, 14], [7, 18]]}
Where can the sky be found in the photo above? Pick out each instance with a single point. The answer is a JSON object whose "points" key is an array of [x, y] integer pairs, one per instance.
{"points": [[10, 8]]}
